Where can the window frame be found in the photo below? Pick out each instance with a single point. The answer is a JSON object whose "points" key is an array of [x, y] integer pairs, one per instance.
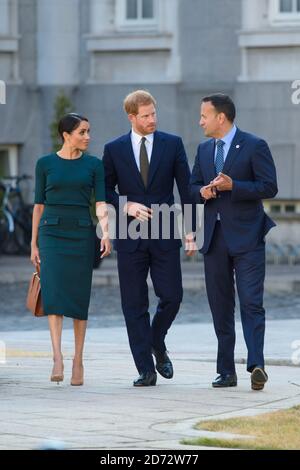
{"points": [[283, 18], [13, 162], [139, 24], [281, 207]]}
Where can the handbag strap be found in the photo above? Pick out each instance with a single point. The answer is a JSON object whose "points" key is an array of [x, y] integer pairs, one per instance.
{"points": [[38, 269]]}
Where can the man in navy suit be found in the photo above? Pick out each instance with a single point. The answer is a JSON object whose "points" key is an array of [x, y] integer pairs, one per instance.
{"points": [[144, 165], [233, 172]]}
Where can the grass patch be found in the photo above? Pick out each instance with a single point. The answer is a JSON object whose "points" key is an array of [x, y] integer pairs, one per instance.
{"points": [[271, 431]]}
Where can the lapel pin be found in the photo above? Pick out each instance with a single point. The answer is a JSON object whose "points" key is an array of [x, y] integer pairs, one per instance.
{"points": [[237, 146]]}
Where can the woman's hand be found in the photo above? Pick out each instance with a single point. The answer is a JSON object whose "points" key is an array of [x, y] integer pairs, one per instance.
{"points": [[105, 247], [35, 256]]}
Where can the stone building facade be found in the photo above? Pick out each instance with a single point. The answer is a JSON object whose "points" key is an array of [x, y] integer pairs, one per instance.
{"points": [[97, 51]]}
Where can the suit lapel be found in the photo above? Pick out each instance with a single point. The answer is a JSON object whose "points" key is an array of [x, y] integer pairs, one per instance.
{"points": [[129, 157], [156, 157], [235, 148]]}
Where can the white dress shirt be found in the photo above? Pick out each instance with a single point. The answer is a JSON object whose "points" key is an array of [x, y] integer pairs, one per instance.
{"points": [[227, 139], [136, 140]]}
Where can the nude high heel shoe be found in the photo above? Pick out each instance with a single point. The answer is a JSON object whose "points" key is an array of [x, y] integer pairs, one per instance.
{"points": [[77, 378], [58, 376]]}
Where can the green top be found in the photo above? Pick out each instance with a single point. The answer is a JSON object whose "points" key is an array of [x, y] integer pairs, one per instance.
{"points": [[69, 182]]}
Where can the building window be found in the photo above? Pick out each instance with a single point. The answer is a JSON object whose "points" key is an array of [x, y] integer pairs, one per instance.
{"points": [[289, 6], [290, 209], [139, 10], [285, 11], [8, 160], [275, 208], [137, 14], [283, 208]]}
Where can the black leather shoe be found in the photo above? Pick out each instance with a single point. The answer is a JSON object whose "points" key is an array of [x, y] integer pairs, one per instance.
{"points": [[227, 380], [164, 365], [258, 378], [146, 379]]}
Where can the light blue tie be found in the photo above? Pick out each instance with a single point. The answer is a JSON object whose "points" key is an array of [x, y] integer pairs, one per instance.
{"points": [[219, 163]]}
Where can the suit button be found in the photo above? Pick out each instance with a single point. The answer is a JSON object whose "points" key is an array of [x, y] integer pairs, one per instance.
{"points": [[219, 195], [45, 221]]}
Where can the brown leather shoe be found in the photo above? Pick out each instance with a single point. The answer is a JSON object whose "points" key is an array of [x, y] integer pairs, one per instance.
{"points": [[258, 378]]}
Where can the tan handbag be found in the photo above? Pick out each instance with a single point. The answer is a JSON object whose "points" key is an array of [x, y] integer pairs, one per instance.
{"points": [[34, 298]]}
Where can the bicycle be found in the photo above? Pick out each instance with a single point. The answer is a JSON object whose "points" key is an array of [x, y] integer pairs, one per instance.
{"points": [[15, 217]]}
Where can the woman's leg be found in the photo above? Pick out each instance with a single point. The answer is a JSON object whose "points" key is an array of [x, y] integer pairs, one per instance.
{"points": [[79, 333], [55, 325]]}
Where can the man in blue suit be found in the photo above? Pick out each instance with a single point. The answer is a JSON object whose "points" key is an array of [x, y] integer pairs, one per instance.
{"points": [[144, 165], [233, 172]]}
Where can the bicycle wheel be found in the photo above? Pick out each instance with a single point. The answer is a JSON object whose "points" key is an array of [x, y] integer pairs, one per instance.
{"points": [[4, 229], [10, 245], [23, 228]]}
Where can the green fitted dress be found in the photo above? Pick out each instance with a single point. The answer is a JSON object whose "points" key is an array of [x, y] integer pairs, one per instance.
{"points": [[66, 233]]}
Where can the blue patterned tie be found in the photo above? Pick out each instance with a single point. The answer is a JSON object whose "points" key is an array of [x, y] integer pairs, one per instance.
{"points": [[219, 163]]}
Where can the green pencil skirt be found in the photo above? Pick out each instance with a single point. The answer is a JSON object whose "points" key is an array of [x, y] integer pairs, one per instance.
{"points": [[66, 244]]}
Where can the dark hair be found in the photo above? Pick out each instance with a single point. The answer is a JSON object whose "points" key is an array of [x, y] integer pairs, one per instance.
{"points": [[223, 104], [69, 123]]}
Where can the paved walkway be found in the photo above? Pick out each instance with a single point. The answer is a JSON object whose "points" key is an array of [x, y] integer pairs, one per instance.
{"points": [[109, 413], [284, 278]]}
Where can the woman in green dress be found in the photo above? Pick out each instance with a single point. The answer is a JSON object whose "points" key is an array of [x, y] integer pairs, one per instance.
{"points": [[63, 235]]}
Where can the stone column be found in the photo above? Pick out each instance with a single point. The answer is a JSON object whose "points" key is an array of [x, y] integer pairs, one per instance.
{"points": [[255, 14], [102, 15], [58, 42], [4, 18]]}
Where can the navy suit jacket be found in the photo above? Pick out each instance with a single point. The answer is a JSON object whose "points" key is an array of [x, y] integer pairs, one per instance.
{"points": [[168, 164], [250, 165]]}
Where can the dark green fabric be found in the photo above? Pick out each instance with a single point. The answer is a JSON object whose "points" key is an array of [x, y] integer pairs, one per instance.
{"points": [[66, 235], [69, 182], [66, 243]]}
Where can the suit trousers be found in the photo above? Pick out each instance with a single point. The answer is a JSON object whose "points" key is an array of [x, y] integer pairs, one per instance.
{"points": [[165, 272], [222, 270]]}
